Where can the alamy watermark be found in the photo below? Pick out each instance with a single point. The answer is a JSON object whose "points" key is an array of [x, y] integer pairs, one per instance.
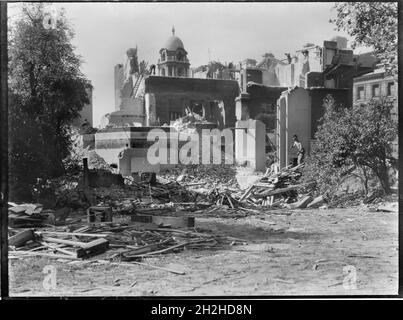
{"points": [[211, 147], [50, 279], [350, 277]]}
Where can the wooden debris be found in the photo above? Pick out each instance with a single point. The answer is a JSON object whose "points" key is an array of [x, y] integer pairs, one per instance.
{"points": [[78, 234], [41, 254], [21, 238], [302, 203], [317, 202]]}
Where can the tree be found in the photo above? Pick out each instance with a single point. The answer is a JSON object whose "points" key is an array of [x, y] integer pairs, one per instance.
{"points": [[371, 24], [352, 138], [46, 93]]}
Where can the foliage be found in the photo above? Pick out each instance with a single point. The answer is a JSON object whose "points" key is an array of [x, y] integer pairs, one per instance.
{"points": [[46, 93], [73, 163], [352, 138], [372, 24]]}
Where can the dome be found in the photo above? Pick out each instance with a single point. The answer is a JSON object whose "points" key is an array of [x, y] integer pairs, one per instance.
{"points": [[173, 43]]}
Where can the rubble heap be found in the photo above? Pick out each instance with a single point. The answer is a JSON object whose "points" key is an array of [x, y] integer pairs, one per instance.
{"points": [[189, 122], [275, 189], [208, 176]]}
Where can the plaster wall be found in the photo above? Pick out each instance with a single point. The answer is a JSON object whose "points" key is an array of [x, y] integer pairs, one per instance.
{"points": [[298, 121], [172, 94], [250, 144]]}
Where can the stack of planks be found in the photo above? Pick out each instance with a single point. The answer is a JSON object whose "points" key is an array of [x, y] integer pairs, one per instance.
{"points": [[275, 189]]}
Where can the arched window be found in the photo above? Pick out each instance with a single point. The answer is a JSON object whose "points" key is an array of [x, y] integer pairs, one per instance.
{"points": [[163, 72], [180, 72], [179, 56], [163, 56]]}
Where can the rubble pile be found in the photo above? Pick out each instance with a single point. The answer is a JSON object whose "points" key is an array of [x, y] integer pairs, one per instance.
{"points": [[26, 214], [207, 176], [275, 189], [96, 162], [189, 122]]}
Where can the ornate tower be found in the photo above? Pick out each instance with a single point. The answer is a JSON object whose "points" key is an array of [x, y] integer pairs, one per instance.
{"points": [[173, 60]]}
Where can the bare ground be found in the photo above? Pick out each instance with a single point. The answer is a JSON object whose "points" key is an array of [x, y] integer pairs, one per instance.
{"points": [[299, 254]]}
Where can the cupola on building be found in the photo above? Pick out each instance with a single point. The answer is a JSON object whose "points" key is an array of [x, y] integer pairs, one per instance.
{"points": [[173, 61]]}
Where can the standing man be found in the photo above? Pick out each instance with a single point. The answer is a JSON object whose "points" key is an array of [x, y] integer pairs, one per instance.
{"points": [[301, 150]]}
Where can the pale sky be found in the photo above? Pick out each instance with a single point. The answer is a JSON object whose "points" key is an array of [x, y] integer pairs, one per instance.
{"points": [[230, 31]]}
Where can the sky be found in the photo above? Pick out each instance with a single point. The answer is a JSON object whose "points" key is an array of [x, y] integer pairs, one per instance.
{"points": [[220, 31]]}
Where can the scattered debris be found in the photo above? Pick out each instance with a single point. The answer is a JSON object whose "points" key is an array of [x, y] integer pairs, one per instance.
{"points": [[26, 215], [121, 241], [189, 122], [317, 202], [275, 189]]}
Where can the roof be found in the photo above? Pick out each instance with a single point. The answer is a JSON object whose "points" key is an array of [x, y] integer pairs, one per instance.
{"points": [[173, 43]]}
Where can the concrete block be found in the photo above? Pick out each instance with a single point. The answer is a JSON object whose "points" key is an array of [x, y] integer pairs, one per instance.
{"points": [[317, 202]]}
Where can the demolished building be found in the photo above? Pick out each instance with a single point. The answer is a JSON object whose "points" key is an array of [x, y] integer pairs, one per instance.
{"points": [[286, 96]]}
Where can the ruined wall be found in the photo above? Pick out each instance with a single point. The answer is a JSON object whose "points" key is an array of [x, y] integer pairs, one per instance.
{"points": [[118, 82], [293, 117], [298, 120], [281, 130], [250, 75], [285, 74], [269, 77], [109, 142], [173, 94], [262, 104]]}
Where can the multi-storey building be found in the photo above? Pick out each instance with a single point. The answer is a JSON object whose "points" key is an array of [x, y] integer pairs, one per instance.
{"points": [[375, 85]]}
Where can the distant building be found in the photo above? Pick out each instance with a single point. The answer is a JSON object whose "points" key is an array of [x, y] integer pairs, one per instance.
{"points": [[173, 60], [374, 85], [287, 95]]}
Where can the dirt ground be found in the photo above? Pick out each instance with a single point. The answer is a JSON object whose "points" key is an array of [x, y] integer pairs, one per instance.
{"points": [[306, 253]]}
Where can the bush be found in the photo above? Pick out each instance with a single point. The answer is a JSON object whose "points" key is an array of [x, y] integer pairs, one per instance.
{"points": [[352, 140]]}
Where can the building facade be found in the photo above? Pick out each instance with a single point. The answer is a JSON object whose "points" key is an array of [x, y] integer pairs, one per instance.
{"points": [[173, 61], [375, 85]]}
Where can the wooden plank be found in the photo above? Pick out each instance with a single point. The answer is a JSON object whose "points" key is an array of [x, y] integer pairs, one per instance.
{"points": [[17, 209], [77, 234], [263, 185], [247, 192], [302, 203], [64, 241], [147, 248], [21, 238], [163, 250], [92, 248], [70, 253], [41, 254], [282, 190]]}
